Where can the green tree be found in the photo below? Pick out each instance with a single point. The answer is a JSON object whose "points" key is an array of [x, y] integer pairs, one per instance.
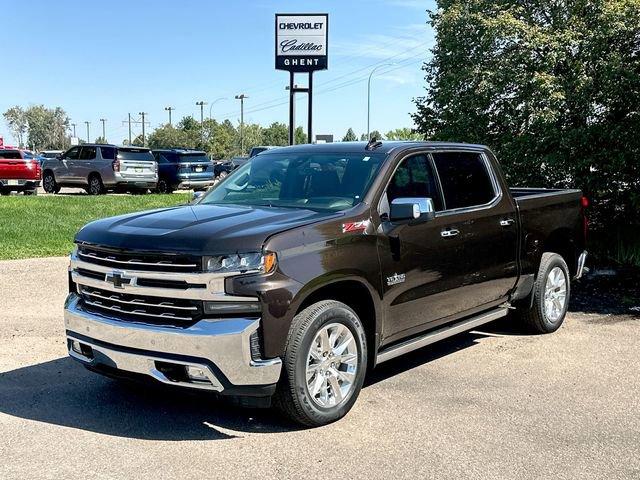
{"points": [[17, 122], [553, 87], [276, 134], [252, 134], [350, 136], [375, 134], [39, 127], [100, 139], [403, 134], [300, 136], [167, 136]]}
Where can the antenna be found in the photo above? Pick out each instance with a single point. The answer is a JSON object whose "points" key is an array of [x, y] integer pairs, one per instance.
{"points": [[373, 144]]}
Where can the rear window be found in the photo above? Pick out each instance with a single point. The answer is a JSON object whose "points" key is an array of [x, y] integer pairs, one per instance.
{"points": [[10, 154], [135, 154], [464, 178], [193, 157]]}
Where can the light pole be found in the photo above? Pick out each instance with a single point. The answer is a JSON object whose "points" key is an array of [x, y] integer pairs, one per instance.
{"points": [[369, 95], [169, 109], [87, 124], [214, 102], [201, 104], [74, 129], [241, 97], [104, 136]]}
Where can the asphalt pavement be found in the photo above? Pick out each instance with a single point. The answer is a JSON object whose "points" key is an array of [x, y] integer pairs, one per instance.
{"points": [[487, 404]]}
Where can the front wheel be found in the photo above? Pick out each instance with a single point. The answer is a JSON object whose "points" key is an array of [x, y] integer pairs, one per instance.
{"points": [[324, 364], [550, 295], [49, 183]]}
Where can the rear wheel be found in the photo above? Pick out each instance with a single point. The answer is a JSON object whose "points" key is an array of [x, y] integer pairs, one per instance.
{"points": [[95, 185], [163, 186], [31, 192], [49, 183], [550, 295], [324, 364]]}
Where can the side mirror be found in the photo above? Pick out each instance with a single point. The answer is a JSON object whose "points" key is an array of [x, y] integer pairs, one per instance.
{"points": [[196, 196], [412, 208], [60, 156]]}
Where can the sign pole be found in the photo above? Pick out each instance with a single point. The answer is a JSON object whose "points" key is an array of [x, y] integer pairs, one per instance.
{"points": [[292, 109], [310, 109]]}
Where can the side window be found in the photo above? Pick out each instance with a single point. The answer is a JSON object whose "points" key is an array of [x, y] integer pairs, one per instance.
{"points": [[73, 154], [88, 153], [108, 153], [414, 178], [464, 178]]}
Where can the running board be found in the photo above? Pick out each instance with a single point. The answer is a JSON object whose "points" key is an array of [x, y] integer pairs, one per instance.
{"points": [[440, 334]]}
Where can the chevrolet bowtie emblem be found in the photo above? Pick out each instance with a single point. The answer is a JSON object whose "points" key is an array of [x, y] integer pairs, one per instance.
{"points": [[119, 279]]}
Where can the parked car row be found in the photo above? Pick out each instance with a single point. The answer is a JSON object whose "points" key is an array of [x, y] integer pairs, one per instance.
{"points": [[100, 168]]}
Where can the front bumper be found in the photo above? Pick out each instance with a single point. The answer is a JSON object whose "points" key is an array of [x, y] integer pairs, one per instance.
{"points": [[220, 349]]}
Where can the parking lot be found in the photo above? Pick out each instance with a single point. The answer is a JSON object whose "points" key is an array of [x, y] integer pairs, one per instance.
{"points": [[487, 404]]}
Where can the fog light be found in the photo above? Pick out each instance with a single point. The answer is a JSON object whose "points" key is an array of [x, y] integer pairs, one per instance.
{"points": [[75, 346], [232, 308], [197, 374]]}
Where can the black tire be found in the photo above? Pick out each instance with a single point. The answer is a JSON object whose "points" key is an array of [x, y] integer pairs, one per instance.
{"points": [[49, 183], [222, 175], [292, 396], [95, 187], [163, 187], [5, 192], [31, 192], [536, 319]]}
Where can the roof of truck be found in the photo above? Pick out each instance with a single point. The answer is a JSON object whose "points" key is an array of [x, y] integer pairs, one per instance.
{"points": [[383, 147]]}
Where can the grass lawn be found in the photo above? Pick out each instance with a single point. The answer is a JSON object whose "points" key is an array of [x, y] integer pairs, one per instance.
{"points": [[44, 226]]}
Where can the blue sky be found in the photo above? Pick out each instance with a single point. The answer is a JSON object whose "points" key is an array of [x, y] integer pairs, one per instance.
{"points": [[106, 59]]}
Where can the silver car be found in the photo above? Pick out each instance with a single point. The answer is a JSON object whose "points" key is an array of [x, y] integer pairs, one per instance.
{"points": [[99, 168]]}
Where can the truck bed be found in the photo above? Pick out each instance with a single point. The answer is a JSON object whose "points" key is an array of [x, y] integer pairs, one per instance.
{"points": [[545, 215]]}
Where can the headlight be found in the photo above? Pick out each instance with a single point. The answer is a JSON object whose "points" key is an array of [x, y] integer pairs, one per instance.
{"points": [[242, 262]]}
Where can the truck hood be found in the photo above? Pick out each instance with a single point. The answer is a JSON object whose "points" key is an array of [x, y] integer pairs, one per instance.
{"points": [[197, 229]]}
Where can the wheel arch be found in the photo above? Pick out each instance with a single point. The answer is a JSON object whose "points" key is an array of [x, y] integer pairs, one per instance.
{"points": [[356, 293], [561, 241]]}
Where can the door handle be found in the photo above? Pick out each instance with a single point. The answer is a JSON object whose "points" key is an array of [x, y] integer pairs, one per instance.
{"points": [[507, 222], [452, 232]]}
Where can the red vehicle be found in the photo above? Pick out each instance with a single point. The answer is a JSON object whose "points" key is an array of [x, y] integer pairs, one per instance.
{"points": [[19, 172]]}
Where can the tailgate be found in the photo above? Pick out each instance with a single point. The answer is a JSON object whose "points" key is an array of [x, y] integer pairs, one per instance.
{"points": [[137, 167], [19, 169]]}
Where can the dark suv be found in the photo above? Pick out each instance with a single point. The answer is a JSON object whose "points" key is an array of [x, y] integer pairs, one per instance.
{"points": [[183, 169]]}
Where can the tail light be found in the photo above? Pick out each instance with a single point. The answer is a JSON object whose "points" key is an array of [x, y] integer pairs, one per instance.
{"points": [[155, 167], [116, 165], [584, 202]]}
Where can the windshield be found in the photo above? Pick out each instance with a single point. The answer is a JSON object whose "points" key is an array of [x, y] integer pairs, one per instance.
{"points": [[330, 182]]}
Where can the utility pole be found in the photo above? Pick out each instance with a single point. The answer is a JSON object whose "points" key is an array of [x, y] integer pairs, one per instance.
{"points": [[104, 137], [143, 137], [74, 129], [241, 97], [129, 121], [169, 109], [87, 123]]}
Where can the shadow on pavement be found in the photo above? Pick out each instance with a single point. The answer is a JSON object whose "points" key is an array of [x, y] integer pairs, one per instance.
{"points": [[61, 392]]}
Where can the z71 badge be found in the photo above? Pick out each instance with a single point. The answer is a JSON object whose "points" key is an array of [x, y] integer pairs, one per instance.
{"points": [[353, 227], [395, 279]]}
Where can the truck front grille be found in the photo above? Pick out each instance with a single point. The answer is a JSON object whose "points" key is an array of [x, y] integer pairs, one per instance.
{"points": [[153, 262], [145, 309]]}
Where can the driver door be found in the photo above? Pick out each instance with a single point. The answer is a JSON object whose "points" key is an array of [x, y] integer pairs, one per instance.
{"points": [[65, 164], [420, 267]]}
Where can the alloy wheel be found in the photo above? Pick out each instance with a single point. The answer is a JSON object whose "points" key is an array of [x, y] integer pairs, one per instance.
{"points": [[332, 365], [555, 294]]}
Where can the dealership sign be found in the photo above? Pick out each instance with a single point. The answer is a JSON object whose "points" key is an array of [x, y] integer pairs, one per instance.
{"points": [[301, 41]]}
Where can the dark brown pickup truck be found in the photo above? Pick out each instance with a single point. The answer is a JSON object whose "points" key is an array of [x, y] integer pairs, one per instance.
{"points": [[311, 264]]}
